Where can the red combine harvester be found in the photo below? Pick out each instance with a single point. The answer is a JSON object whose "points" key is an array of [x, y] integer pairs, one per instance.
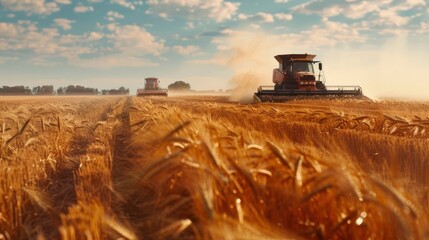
{"points": [[151, 88], [295, 78]]}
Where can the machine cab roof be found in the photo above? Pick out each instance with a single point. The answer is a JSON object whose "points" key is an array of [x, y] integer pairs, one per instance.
{"points": [[295, 58]]}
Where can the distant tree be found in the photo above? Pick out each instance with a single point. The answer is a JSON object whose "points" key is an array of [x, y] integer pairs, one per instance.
{"points": [[15, 90], [70, 89], [43, 90], [36, 89], [27, 91], [61, 91], [179, 86], [78, 90], [119, 91]]}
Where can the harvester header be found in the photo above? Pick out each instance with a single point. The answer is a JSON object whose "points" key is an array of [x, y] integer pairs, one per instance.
{"points": [[295, 78]]}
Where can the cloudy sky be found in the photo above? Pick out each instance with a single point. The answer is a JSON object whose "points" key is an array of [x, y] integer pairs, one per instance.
{"points": [[379, 44]]}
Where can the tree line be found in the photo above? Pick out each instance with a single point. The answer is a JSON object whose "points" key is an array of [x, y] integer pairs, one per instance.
{"points": [[69, 90], [79, 90], [179, 86]]}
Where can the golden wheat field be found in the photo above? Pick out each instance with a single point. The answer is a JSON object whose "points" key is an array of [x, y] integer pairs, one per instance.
{"points": [[203, 167]]}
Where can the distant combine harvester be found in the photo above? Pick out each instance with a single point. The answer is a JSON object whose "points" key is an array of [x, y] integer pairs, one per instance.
{"points": [[151, 88]]}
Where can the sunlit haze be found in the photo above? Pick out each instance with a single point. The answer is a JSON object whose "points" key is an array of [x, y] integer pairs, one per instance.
{"points": [[214, 44]]}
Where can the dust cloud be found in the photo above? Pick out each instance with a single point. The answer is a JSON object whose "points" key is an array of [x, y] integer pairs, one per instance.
{"points": [[250, 56], [394, 69], [245, 86]]}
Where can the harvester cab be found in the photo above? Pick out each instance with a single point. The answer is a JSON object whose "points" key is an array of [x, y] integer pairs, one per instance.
{"points": [[295, 78], [152, 88]]}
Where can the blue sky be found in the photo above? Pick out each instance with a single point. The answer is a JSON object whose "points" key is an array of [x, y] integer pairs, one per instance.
{"points": [[211, 43]]}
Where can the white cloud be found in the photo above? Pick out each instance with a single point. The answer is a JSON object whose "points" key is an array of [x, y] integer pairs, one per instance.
{"points": [[226, 31], [281, 1], [332, 11], [183, 3], [190, 25], [385, 15], [64, 23], [94, 36], [260, 17], [164, 15], [30, 6], [243, 16], [359, 10], [391, 18], [350, 9], [131, 46], [127, 45], [95, 1], [266, 17], [114, 60], [424, 27], [7, 59], [132, 39], [43, 61], [190, 50], [218, 10], [124, 3], [254, 26], [306, 8], [319, 8], [112, 16], [70, 39], [82, 9], [329, 33], [414, 3], [283, 16], [45, 42], [63, 1], [9, 30]]}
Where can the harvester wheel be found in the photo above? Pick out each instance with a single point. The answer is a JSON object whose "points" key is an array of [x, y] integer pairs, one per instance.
{"points": [[277, 87]]}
